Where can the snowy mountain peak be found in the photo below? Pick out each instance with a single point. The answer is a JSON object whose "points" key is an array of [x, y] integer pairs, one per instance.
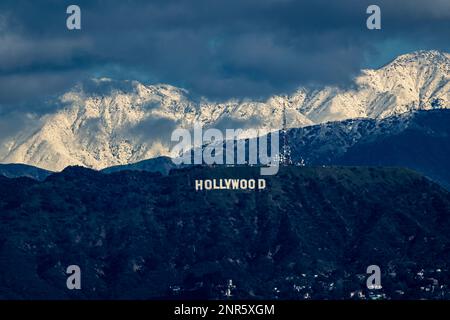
{"points": [[422, 57], [105, 122]]}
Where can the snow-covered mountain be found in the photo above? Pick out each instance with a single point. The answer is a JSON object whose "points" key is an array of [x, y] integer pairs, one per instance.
{"points": [[418, 140], [117, 123]]}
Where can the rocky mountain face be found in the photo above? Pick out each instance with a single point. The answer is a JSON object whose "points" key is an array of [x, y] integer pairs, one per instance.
{"points": [[114, 123], [310, 234], [417, 140]]}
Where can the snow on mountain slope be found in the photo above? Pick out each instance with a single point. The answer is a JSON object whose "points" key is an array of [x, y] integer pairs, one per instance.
{"points": [[413, 81], [131, 121]]}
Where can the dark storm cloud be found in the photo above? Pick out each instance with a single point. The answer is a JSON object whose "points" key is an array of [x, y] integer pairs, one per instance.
{"points": [[218, 49]]}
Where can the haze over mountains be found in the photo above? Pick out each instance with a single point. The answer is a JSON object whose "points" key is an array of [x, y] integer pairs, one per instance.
{"points": [[115, 123]]}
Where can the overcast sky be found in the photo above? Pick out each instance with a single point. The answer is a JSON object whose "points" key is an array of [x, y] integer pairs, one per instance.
{"points": [[216, 49]]}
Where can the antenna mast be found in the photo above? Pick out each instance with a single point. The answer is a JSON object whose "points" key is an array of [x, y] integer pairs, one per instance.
{"points": [[285, 158]]}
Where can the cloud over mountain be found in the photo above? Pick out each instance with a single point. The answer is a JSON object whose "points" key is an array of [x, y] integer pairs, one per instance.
{"points": [[109, 123]]}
